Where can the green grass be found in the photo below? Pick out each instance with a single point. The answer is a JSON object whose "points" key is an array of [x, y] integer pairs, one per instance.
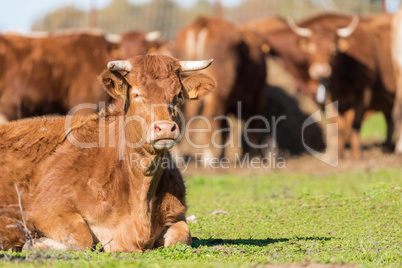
{"points": [[374, 127], [351, 218]]}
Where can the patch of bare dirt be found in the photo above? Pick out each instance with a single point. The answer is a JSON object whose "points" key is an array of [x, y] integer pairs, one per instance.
{"points": [[372, 159]]}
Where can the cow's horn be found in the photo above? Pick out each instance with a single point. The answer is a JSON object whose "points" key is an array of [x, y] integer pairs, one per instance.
{"points": [[197, 65], [119, 65], [304, 32], [348, 30], [113, 38], [153, 36]]}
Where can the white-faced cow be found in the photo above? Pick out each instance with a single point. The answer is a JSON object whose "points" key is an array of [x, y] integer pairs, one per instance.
{"points": [[104, 177]]}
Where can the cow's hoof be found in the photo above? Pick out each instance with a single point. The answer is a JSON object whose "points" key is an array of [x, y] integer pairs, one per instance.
{"points": [[177, 233], [388, 147], [44, 244]]}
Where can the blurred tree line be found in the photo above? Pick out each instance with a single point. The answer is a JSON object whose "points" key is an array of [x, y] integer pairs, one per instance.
{"points": [[168, 16]]}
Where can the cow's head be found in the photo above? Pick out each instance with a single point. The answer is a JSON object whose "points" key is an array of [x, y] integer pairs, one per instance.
{"points": [[321, 40], [153, 91]]}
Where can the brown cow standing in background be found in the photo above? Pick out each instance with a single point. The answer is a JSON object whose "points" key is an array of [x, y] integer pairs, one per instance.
{"points": [[104, 177], [354, 59], [54, 73], [239, 69], [286, 49], [298, 50]]}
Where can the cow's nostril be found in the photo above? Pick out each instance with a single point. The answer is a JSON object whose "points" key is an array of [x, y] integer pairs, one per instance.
{"points": [[165, 130]]}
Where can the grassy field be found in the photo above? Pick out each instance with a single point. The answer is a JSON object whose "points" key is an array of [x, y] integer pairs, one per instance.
{"points": [[374, 127], [351, 218]]}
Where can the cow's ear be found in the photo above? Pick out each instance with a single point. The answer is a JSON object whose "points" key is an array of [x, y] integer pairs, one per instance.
{"points": [[197, 86], [343, 44], [114, 83]]}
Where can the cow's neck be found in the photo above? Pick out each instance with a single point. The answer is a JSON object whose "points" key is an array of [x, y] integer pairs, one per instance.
{"points": [[144, 162], [144, 186], [146, 169]]}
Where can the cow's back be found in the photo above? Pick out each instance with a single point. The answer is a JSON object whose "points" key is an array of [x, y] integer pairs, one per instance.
{"points": [[266, 25]]}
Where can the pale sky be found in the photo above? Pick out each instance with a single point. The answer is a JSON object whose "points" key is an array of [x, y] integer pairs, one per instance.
{"points": [[18, 15], [393, 5]]}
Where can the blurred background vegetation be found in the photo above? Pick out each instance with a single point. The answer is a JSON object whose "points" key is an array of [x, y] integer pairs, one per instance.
{"points": [[169, 15]]}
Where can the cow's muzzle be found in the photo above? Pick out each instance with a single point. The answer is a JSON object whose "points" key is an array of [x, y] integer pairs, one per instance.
{"points": [[163, 135], [319, 71]]}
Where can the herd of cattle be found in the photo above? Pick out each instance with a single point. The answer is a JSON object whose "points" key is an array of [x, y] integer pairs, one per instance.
{"points": [[332, 57], [76, 196], [336, 57]]}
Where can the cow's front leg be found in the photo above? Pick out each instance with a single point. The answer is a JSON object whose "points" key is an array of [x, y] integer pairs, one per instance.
{"points": [[63, 232], [388, 144], [213, 138], [355, 143], [178, 232], [44, 243]]}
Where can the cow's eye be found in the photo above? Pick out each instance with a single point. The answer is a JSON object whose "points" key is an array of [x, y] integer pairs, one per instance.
{"points": [[135, 95], [311, 48]]}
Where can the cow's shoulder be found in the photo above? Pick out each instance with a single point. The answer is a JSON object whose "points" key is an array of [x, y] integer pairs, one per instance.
{"points": [[90, 143]]}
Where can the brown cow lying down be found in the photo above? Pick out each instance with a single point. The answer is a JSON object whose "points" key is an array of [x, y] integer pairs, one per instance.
{"points": [[105, 178]]}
